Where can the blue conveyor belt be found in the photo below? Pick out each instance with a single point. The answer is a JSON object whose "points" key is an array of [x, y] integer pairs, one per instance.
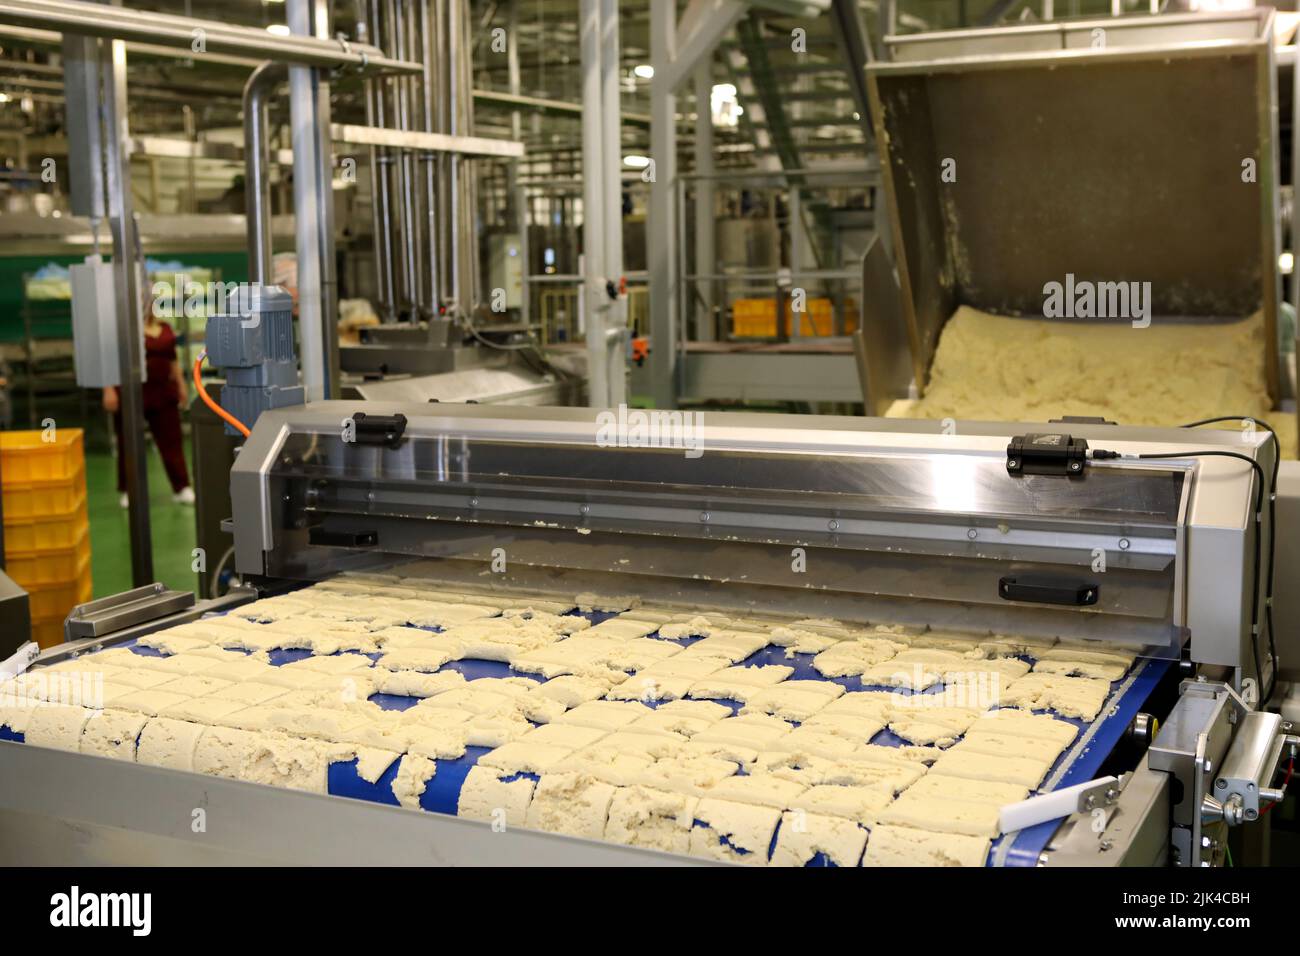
{"points": [[442, 793]]}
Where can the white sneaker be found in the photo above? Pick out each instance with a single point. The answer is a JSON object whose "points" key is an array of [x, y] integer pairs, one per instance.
{"points": [[124, 501], [184, 497]]}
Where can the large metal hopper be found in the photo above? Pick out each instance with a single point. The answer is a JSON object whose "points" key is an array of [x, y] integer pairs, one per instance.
{"points": [[1108, 149]]}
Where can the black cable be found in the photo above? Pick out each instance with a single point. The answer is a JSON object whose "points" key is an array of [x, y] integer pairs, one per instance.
{"points": [[1255, 622]]}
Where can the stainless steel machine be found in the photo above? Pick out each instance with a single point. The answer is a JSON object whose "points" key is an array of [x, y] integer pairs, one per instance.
{"points": [[899, 523]]}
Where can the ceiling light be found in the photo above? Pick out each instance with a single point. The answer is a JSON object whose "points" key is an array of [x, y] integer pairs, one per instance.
{"points": [[644, 70], [279, 29]]}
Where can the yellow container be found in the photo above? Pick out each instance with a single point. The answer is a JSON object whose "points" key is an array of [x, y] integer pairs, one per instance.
{"points": [[48, 632], [49, 566], [756, 318], [44, 499], [26, 457], [49, 601], [46, 533]]}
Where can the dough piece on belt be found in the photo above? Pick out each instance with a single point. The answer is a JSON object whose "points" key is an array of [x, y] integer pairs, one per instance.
{"points": [[604, 714], [571, 803], [911, 675], [858, 729], [494, 797], [58, 726], [518, 757], [751, 731], [1092, 652], [417, 683], [202, 710], [763, 791], [1022, 771], [1023, 723], [942, 814], [1003, 645], [425, 658], [195, 685], [1097, 671], [939, 726], [733, 832], [151, 702], [1079, 697], [168, 743], [974, 791], [859, 804], [112, 734], [413, 776], [861, 703], [732, 646], [850, 658], [804, 836], [808, 739], [791, 700], [906, 846], [1010, 745], [570, 690], [655, 819], [738, 683]]}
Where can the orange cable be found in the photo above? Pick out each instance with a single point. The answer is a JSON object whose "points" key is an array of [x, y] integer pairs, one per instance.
{"points": [[224, 415]]}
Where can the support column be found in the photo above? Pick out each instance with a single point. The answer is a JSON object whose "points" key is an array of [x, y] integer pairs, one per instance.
{"points": [[593, 199], [661, 233], [706, 256], [612, 176], [130, 329]]}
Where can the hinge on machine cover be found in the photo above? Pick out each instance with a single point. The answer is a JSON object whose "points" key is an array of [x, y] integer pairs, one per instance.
{"points": [[384, 430]]}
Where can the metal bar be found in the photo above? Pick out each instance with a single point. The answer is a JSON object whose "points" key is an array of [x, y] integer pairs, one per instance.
{"points": [[257, 186], [561, 107], [160, 29], [612, 202], [706, 256], [307, 213], [662, 223], [130, 332], [380, 233], [593, 220], [416, 140]]}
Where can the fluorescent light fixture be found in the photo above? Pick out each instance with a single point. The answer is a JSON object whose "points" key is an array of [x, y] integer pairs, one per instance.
{"points": [[644, 70], [636, 162], [279, 29]]}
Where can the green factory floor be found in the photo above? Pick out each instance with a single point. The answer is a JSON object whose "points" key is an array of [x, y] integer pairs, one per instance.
{"points": [[172, 527]]}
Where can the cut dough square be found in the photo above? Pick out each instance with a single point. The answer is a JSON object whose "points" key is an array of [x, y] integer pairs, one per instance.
{"points": [[249, 692], [942, 815], [180, 665], [1023, 723], [151, 702], [696, 709], [905, 846], [202, 710], [654, 819], [733, 832], [648, 687], [604, 714], [805, 836], [738, 683], [810, 740], [1022, 771], [168, 743], [787, 701], [141, 678], [860, 804], [242, 669], [975, 791], [570, 691], [488, 795], [1096, 671], [1079, 697], [573, 737], [416, 683], [518, 757], [897, 673], [196, 685], [849, 726], [1010, 745], [744, 732], [862, 703], [763, 791], [58, 726], [621, 629], [112, 733], [571, 803], [692, 774], [849, 658]]}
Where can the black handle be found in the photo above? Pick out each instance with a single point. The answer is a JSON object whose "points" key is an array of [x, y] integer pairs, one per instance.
{"points": [[343, 539], [1048, 589]]}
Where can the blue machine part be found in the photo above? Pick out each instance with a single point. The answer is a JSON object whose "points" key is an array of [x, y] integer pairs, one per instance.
{"points": [[252, 344], [1080, 763]]}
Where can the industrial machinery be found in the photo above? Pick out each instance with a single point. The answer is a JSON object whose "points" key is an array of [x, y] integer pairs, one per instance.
{"points": [[899, 523]]}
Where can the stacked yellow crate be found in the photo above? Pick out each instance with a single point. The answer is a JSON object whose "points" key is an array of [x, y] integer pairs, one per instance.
{"points": [[46, 524]]}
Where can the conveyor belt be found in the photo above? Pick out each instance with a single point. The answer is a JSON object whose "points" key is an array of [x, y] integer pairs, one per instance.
{"points": [[441, 795]]}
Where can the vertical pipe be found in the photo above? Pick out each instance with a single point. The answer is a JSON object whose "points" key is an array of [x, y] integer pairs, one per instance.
{"points": [[428, 161], [516, 194], [307, 212], [661, 224], [130, 331], [612, 202], [394, 43], [705, 228], [257, 189], [381, 236], [594, 241]]}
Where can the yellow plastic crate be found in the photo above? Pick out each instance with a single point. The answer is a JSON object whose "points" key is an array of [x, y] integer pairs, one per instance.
{"points": [[52, 566], [46, 533], [27, 458], [48, 632], [56, 600], [45, 499]]}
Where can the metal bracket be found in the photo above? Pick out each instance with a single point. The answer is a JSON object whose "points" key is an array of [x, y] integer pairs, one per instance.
{"points": [[384, 430], [120, 611]]}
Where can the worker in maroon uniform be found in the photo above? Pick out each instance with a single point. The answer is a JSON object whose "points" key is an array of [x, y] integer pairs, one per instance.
{"points": [[164, 391]]}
